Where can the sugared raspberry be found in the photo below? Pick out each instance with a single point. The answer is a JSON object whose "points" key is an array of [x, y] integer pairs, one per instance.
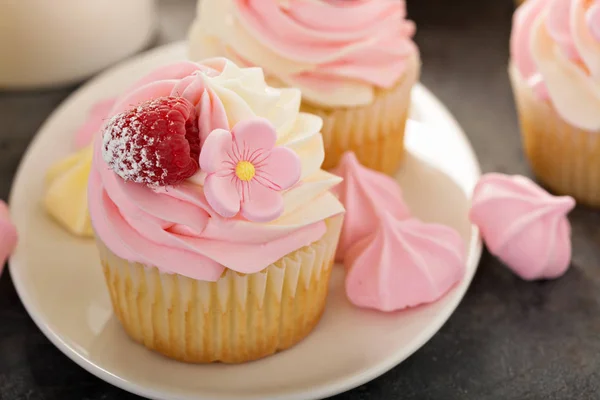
{"points": [[156, 143]]}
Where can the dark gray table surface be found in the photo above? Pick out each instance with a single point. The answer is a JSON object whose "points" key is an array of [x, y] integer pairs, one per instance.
{"points": [[508, 339]]}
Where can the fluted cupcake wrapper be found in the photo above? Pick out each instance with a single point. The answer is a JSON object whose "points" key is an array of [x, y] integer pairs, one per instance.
{"points": [[563, 157], [239, 318], [375, 133]]}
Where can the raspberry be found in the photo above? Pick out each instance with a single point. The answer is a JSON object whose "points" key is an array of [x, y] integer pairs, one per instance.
{"points": [[156, 143]]}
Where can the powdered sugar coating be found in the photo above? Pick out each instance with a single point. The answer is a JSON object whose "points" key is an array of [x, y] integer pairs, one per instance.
{"points": [[155, 143], [119, 153]]}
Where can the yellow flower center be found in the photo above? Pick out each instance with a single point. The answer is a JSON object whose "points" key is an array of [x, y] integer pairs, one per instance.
{"points": [[245, 170]]}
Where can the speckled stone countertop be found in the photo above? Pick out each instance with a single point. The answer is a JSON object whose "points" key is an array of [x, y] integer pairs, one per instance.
{"points": [[507, 340]]}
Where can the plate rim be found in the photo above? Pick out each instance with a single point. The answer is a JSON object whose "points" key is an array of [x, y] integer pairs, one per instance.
{"points": [[332, 388]]}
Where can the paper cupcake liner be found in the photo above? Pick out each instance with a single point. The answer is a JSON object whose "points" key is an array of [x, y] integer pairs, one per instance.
{"points": [[239, 318], [563, 157], [375, 133]]}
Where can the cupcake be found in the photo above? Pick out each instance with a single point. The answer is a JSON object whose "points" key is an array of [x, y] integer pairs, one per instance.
{"points": [[555, 73], [354, 61], [214, 222]]}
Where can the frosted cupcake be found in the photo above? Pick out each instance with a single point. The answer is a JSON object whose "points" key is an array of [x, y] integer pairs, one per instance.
{"points": [[214, 222], [555, 72], [354, 61]]}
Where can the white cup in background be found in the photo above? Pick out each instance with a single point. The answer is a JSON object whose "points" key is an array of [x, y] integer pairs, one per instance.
{"points": [[45, 43]]}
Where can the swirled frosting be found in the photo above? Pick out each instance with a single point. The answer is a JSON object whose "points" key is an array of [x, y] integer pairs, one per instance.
{"points": [[174, 228], [336, 51], [555, 47], [365, 194], [523, 225], [94, 123], [404, 264]]}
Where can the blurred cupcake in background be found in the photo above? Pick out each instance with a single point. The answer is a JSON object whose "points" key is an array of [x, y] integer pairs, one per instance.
{"points": [[355, 62], [555, 73]]}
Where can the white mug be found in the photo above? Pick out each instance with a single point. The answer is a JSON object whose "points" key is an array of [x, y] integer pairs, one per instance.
{"points": [[45, 43]]}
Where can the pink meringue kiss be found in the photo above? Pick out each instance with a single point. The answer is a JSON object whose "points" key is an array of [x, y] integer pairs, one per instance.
{"points": [[365, 194], [8, 235], [404, 264], [523, 225]]}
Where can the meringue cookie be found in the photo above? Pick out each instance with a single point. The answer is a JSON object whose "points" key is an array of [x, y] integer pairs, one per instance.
{"points": [[404, 264], [8, 235], [365, 194], [523, 225]]}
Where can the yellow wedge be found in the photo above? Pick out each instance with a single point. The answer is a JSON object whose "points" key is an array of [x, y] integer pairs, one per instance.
{"points": [[66, 192]]}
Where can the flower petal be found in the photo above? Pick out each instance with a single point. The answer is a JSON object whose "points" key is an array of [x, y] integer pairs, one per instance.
{"points": [[261, 204], [281, 169], [254, 137], [222, 195], [216, 152]]}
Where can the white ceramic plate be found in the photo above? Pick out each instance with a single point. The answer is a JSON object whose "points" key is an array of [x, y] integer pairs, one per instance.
{"points": [[60, 281]]}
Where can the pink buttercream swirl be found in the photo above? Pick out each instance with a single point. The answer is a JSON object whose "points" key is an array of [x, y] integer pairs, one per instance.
{"points": [[175, 228], [330, 49], [93, 124], [569, 23], [366, 40]]}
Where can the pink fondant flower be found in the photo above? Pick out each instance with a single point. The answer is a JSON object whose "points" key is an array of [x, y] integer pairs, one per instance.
{"points": [[247, 172]]}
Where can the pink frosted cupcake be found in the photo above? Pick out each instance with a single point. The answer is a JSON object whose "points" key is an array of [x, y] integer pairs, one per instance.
{"points": [[354, 61], [214, 222], [555, 72]]}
